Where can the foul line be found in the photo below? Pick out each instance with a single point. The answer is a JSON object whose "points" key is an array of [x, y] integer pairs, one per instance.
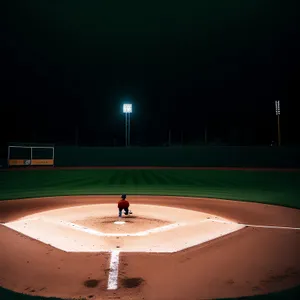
{"points": [[258, 226], [113, 270], [154, 230], [271, 226]]}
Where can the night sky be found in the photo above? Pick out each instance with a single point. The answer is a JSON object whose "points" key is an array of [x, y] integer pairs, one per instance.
{"points": [[67, 66]]}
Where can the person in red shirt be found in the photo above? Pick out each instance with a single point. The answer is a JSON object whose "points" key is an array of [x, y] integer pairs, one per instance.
{"points": [[123, 204]]}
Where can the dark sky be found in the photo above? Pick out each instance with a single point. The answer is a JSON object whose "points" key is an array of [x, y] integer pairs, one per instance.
{"points": [[185, 65]]}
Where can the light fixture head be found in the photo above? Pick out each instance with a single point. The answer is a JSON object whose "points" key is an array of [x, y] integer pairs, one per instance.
{"points": [[127, 108], [277, 107]]}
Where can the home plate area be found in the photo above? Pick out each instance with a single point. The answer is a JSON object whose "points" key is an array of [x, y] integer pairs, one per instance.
{"points": [[96, 228], [92, 228], [116, 225]]}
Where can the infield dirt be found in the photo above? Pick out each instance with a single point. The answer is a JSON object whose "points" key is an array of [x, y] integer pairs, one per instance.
{"points": [[247, 262]]}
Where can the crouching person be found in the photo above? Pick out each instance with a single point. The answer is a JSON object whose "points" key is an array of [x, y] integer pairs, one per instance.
{"points": [[123, 204]]}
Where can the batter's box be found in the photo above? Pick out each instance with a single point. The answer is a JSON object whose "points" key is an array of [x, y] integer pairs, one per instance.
{"points": [[91, 228]]}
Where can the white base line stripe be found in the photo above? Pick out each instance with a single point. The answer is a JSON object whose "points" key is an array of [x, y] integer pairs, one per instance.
{"points": [[274, 227], [113, 270], [258, 226]]}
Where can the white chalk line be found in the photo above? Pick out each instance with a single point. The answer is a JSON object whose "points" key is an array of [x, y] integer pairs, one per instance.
{"points": [[112, 283], [274, 227], [149, 231], [99, 233], [258, 226]]}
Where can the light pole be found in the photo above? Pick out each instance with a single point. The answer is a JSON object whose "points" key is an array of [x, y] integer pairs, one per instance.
{"points": [[277, 110], [127, 110]]}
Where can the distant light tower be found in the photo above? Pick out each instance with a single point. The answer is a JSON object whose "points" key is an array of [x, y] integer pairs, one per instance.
{"points": [[277, 110], [127, 110]]}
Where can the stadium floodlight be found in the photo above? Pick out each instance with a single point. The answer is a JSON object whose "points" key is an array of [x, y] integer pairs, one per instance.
{"points": [[277, 110], [127, 110]]}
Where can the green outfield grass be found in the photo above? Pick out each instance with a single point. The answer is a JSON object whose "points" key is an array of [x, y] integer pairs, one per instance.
{"points": [[272, 187], [276, 187]]}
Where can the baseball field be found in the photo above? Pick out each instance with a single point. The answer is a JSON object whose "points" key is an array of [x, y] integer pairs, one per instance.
{"points": [[194, 233]]}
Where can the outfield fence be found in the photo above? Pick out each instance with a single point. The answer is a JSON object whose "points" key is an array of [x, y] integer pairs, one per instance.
{"points": [[205, 156], [268, 157]]}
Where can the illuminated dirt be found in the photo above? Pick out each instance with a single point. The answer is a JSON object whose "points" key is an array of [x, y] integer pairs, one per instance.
{"points": [[224, 256], [153, 228], [128, 224]]}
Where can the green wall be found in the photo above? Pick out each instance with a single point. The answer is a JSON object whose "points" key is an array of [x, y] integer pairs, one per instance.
{"points": [[179, 156]]}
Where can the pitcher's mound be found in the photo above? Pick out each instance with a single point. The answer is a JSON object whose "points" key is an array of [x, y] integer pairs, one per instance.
{"points": [[132, 224]]}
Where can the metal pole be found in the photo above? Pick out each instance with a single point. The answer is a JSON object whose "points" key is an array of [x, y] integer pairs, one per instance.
{"points": [[277, 109], [126, 140], [278, 129], [128, 129], [8, 156], [53, 155], [30, 155]]}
